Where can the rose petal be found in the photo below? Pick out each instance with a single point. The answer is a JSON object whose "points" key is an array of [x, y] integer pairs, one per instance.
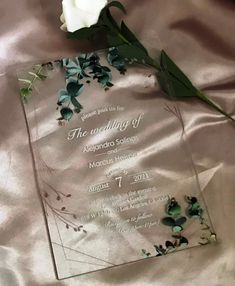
{"points": [[78, 14], [91, 6]]}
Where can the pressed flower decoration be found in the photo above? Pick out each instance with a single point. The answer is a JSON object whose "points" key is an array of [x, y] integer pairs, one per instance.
{"points": [[176, 221], [79, 71]]}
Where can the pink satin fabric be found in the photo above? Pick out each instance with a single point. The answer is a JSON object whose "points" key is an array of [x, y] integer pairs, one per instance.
{"points": [[199, 37]]}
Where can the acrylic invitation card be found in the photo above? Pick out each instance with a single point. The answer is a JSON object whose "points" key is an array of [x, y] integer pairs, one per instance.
{"points": [[110, 152]]}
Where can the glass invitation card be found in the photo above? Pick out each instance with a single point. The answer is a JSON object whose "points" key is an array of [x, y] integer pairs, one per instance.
{"points": [[115, 177]]}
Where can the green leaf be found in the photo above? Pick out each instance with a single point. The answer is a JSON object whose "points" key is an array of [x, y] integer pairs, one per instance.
{"points": [[195, 206], [74, 89], [131, 37], [114, 41], [63, 96], [115, 4], [181, 220], [76, 103], [173, 87], [169, 245], [177, 228], [24, 80], [133, 53], [42, 77], [183, 241], [174, 209], [172, 68], [66, 113], [207, 100], [168, 221], [172, 80], [107, 18], [191, 200], [25, 92], [196, 213], [86, 33], [33, 74]]}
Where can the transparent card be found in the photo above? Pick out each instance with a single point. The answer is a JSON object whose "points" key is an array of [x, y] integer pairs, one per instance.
{"points": [[115, 176]]}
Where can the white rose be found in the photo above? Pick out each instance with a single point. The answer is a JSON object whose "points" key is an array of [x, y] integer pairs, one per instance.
{"points": [[79, 14]]}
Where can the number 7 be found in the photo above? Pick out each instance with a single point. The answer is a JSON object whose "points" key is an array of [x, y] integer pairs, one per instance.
{"points": [[119, 181]]}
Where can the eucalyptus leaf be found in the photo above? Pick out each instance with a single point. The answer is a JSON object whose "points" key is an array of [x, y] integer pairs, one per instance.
{"points": [[42, 76], [180, 220], [27, 81], [174, 209], [168, 221], [191, 200], [74, 89], [33, 74], [24, 92], [194, 213], [177, 228], [76, 103], [183, 241], [195, 206], [66, 113], [169, 245], [106, 69], [63, 96], [116, 60]]}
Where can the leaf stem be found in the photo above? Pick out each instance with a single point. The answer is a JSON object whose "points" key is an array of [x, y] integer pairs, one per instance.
{"points": [[123, 39], [206, 99], [153, 63], [35, 77]]}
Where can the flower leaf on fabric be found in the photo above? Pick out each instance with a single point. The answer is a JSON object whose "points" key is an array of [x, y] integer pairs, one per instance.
{"points": [[176, 84], [107, 19], [172, 80], [127, 33]]}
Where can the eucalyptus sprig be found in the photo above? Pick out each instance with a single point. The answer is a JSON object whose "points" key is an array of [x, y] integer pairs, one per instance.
{"points": [[127, 49], [38, 74], [85, 67]]}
